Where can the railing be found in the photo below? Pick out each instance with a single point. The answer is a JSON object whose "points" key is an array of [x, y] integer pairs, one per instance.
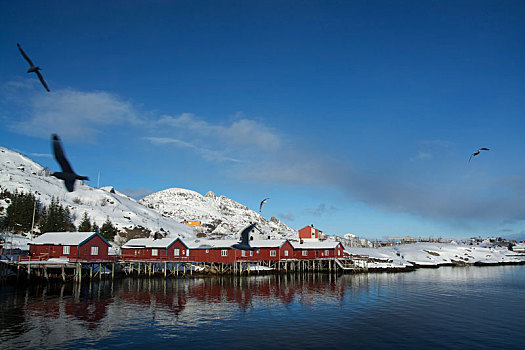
{"points": [[41, 257], [154, 259]]}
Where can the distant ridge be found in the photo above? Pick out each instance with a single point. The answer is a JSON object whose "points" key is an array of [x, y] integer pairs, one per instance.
{"points": [[220, 216]]}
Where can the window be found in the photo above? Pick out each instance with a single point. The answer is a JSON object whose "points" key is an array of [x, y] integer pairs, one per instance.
{"points": [[326, 252], [65, 250], [154, 252], [285, 253], [305, 252], [313, 232], [273, 253], [94, 250], [207, 251], [243, 252], [338, 253], [176, 252], [224, 252], [251, 252]]}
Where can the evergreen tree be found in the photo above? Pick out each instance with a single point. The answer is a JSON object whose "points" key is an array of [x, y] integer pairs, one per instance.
{"points": [[85, 224], [108, 231], [19, 214], [55, 218], [95, 227]]}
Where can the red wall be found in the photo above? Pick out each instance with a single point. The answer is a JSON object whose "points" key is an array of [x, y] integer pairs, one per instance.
{"points": [[213, 255], [306, 233], [264, 253], [319, 253], [163, 253], [75, 252]]}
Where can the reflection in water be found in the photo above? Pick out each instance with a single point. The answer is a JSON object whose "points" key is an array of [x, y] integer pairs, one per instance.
{"points": [[380, 310]]}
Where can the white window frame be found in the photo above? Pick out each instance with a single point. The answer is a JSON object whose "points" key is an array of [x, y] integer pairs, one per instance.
{"points": [[154, 252], [224, 252], [94, 250], [305, 252], [66, 250], [207, 251], [251, 252], [286, 253], [338, 253], [273, 253], [176, 252], [243, 252], [326, 252]]}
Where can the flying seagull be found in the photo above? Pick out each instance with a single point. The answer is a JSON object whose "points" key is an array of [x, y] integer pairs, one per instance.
{"points": [[477, 152], [67, 174], [32, 67], [262, 202], [244, 244]]}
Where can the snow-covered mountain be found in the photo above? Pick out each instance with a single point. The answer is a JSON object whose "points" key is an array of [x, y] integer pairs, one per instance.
{"points": [[220, 216], [163, 211], [18, 172]]}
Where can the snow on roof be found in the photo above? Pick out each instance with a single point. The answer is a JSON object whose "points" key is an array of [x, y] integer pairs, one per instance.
{"points": [[211, 243], [227, 243], [315, 245], [150, 242], [63, 238]]}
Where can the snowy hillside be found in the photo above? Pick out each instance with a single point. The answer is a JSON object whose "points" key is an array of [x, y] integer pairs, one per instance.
{"points": [[436, 254], [18, 172], [220, 216]]}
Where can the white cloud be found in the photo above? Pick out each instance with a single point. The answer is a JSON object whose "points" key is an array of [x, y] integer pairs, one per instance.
{"points": [[422, 156], [241, 132], [67, 112], [204, 152]]}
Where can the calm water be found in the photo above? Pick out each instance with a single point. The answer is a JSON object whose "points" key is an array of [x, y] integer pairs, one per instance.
{"points": [[452, 308]]}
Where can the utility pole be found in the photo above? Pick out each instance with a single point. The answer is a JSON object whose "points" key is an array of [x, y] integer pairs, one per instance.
{"points": [[33, 222]]}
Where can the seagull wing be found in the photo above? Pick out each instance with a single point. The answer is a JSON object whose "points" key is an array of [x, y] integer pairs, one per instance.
{"points": [[42, 80], [25, 56], [70, 184], [262, 202], [484, 149], [60, 157]]}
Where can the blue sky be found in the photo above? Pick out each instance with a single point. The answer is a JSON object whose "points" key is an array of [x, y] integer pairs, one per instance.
{"points": [[357, 117]]}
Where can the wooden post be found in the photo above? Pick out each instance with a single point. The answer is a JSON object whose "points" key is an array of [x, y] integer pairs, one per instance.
{"points": [[99, 271], [112, 270], [63, 273]]}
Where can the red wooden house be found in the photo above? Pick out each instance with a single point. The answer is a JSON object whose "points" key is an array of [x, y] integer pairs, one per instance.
{"points": [[149, 249], [317, 250], [269, 250], [310, 232], [208, 250], [221, 251], [76, 246]]}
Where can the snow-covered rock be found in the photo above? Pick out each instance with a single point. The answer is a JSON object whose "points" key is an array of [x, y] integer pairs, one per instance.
{"points": [[220, 216], [19, 173]]}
